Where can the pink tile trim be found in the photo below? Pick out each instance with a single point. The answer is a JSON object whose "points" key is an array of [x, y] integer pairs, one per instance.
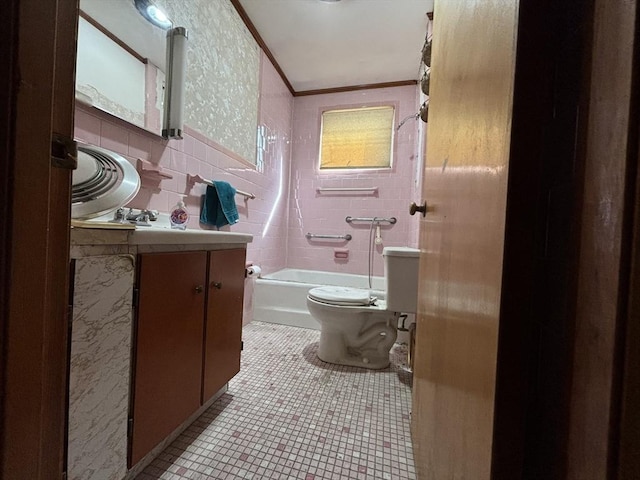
{"points": [[213, 144]]}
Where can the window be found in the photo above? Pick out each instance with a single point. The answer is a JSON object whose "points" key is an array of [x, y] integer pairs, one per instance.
{"points": [[357, 138]]}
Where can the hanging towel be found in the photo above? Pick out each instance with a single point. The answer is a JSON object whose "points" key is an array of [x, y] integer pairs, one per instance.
{"points": [[219, 206]]}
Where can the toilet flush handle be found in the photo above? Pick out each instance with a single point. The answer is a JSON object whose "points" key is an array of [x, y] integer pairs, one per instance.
{"points": [[418, 208]]}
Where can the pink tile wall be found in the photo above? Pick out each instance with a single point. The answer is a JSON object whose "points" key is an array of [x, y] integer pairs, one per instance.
{"points": [[265, 217], [325, 213], [276, 114], [286, 204]]}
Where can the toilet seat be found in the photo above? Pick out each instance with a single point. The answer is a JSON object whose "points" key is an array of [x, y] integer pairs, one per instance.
{"points": [[345, 296]]}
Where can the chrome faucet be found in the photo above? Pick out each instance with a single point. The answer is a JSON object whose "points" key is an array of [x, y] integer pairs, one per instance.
{"points": [[118, 216], [140, 218], [132, 215], [153, 214]]}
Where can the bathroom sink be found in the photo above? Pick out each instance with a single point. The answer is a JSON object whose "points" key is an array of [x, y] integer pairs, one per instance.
{"points": [[157, 232], [101, 231]]}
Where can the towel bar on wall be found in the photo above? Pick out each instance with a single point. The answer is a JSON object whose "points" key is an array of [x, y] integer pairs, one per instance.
{"points": [[199, 179], [391, 220], [346, 237]]}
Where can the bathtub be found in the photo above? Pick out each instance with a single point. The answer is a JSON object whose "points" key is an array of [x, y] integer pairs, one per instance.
{"points": [[281, 297]]}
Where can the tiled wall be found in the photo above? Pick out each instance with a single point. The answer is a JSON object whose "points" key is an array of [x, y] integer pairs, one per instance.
{"points": [[265, 217], [318, 213], [286, 204]]}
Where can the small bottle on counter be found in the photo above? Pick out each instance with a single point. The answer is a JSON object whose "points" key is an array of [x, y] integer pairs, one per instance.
{"points": [[179, 216]]}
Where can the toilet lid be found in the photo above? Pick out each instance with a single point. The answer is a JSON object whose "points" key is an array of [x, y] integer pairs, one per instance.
{"points": [[341, 295]]}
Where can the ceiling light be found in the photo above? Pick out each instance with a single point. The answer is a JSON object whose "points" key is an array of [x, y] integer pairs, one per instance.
{"points": [[153, 14]]}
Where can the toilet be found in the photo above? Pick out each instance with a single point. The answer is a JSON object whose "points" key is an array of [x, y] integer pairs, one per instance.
{"points": [[358, 329]]}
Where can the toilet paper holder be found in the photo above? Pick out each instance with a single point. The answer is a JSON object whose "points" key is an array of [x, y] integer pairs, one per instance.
{"points": [[253, 271]]}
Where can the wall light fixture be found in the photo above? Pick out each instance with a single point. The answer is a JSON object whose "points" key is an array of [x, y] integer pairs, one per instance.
{"points": [[177, 41]]}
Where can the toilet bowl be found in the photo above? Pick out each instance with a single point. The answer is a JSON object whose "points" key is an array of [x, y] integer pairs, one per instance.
{"points": [[357, 329]]}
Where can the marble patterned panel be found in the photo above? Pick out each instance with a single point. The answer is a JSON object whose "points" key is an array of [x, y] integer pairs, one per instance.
{"points": [[99, 236], [78, 251], [223, 72], [100, 365]]}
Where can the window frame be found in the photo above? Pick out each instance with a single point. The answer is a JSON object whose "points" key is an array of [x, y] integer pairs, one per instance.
{"points": [[393, 104]]}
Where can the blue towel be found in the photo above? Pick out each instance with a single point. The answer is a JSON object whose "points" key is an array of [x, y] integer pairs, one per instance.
{"points": [[219, 206]]}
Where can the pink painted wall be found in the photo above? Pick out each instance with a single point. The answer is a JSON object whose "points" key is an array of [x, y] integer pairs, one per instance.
{"points": [[325, 213], [265, 217]]}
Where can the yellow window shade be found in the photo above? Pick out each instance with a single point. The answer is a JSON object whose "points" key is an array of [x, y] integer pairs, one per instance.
{"points": [[357, 138]]}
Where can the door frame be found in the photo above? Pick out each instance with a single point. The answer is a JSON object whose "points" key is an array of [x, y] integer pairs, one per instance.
{"points": [[624, 461], [8, 85], [39, 41]]}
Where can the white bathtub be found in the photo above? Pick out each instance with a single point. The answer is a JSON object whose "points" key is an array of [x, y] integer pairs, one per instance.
{"points": [[281, 297]]}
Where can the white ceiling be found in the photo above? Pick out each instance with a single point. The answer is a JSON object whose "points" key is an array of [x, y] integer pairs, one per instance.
{"points": [[322, 45]]}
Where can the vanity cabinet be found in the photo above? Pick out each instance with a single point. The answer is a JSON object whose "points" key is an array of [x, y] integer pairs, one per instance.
{"points": [[155, 334], [187, 338]]}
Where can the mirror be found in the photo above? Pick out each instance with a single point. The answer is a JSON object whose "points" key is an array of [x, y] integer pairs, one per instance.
{"points": [[215, 94], [120, 66]]}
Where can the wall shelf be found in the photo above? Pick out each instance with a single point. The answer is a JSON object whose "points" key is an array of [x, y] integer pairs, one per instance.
{"points": [[149, 170]]}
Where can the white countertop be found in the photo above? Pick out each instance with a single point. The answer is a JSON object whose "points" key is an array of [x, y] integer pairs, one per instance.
{"points": [[100, 232], [168, 236]]}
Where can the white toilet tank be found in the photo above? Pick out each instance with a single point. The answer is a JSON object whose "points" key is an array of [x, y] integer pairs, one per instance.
{"points": [[401, 266]]}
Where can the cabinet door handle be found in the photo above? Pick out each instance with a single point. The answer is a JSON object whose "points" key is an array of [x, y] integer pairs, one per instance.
{"points": [[199, 289], [217, 285]]}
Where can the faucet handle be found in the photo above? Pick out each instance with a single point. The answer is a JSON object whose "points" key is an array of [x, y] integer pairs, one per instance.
{"points": [[152, 214], [118, 215]]}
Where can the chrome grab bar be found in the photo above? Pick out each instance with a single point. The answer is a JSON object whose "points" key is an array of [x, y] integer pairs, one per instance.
{"points": [[373, 190], [346, 237], [391, 220]]}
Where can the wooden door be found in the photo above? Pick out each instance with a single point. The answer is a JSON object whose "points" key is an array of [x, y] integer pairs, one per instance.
{"points": [[168, 345], [37, 47], [525, 285], [223, 328], [462, 237]]}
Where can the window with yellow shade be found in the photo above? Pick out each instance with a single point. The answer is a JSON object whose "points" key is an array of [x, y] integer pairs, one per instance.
{"points": [[357, 138]]}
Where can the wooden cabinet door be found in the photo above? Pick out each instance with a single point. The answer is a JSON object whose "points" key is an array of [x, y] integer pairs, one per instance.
{"points": [[223, 327], [168, 356]]}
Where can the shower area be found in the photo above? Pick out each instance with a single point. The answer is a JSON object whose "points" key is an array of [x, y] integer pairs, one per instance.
{"points": [[339, 220]]}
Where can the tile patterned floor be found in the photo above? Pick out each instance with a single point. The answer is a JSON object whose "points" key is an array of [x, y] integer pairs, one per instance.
{"points": [[288, 415]]}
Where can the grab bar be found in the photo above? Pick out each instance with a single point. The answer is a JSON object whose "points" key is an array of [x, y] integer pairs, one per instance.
{"points": [[346, 237], [391, 220], [373, 190]]}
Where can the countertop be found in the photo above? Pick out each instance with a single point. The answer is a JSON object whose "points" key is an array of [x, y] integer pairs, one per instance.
{"points": [[155, 236]]}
